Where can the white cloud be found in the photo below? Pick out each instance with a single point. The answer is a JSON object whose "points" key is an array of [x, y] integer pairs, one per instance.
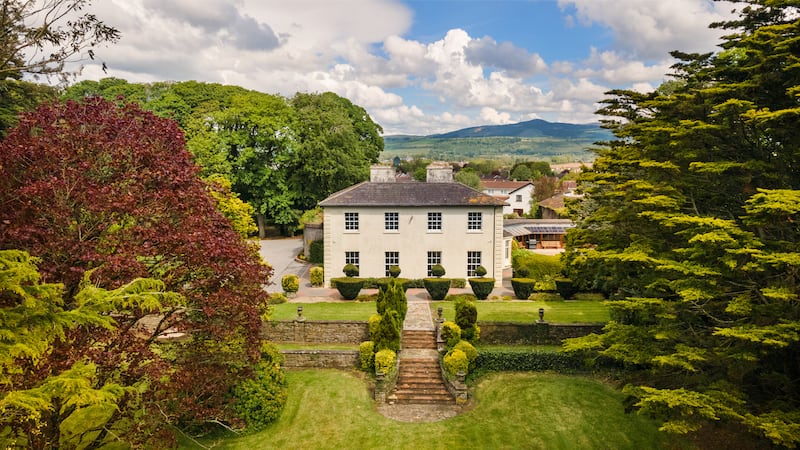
{"points": [[651, 29]]}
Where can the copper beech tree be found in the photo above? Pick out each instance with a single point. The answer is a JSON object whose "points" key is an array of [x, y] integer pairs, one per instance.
{"points": [[96, 187]]}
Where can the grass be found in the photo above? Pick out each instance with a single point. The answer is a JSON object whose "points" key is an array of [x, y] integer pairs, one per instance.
{"points": [[325, 346], [332, 409], [325, 311], [573, 311]]}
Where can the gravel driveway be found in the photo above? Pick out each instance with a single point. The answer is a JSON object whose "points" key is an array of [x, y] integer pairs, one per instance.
{"points": [[280, 254]]}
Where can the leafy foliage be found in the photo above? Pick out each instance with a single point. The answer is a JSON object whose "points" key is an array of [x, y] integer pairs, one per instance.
{"points": [[455, 361], [260, 399], [41, 398], [366, 355], [499, 360], [239, 213], [290, 282], [387, 335], [690, 224], [348, 287], [451, 333], [386, 361], [523, 287], [316, 252], [481, 287], [95, 186], [316, 276], [467, 319]]}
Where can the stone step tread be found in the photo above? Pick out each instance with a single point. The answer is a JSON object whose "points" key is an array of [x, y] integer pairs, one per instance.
{"points": [[428, 400]]}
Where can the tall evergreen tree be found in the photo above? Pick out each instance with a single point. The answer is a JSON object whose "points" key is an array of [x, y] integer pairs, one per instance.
{"points": [[690, 225]]}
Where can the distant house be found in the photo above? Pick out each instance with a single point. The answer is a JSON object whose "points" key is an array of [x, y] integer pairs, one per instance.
{"points": [[555, 207], [516, 193], [414, 225], [538, 233]]}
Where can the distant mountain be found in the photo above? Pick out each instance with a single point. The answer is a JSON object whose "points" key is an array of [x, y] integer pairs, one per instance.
{"points": [[531, 128], [534, 139]]}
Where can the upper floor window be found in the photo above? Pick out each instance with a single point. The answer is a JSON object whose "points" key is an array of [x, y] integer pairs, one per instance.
{"points": [[391, 221], [351, 221], [434, 221], [474, 221], [519, 198]]}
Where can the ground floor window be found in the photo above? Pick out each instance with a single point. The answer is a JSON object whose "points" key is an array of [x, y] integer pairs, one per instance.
{"points": [[434, 258], [391, 259], [351, 258], [473, 261]]}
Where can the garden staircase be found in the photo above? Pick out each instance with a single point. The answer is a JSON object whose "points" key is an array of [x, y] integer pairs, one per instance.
{"points": [[420, 379]]}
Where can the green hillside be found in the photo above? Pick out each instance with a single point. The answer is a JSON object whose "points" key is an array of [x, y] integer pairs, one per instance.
{"points": [[536, 139]]}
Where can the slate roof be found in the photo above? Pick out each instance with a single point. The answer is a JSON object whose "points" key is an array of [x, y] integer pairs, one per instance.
{"points": [[410, 194], [504, 184]]}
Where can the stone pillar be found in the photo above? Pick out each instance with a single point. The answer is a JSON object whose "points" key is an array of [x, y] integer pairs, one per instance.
{"points": [[380, 387]]}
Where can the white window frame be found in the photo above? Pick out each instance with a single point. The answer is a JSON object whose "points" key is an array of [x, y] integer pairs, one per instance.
{"points": [[351, 221], [473, 261], [390, 259], [435, 222], [353, 258], [391, 221], [434, 257], [474, 221]]}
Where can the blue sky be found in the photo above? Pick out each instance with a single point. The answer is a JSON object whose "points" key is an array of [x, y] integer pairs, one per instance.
{"points": [[416, 66]]}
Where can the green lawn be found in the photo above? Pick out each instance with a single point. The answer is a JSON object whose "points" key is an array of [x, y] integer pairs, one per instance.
{"points": [[329, 409], [325, 311], [573, 311], [556, 311]]}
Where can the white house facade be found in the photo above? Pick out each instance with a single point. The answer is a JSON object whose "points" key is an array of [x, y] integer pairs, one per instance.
{"points": [[413, 225], [517, 194]]}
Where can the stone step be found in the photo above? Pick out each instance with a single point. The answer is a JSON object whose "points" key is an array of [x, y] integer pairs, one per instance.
{"points": [[424, 399]]}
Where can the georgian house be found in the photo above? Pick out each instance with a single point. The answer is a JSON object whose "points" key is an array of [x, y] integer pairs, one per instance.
{"points": [[414, 225], [516, 194]]}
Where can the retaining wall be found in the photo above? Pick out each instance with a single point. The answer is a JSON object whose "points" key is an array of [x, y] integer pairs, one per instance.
{"points": [[317, 331], [326, 359], [541, 333]]}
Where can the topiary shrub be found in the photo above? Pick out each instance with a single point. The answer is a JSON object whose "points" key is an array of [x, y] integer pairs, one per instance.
{"points": [[437, 287], [394, 271], [350, 270], [455, 361], [458, 283], [388, 332], [316, 253], [348, 287], [521, 272], [451, 333], [395, 298], [480, 271], [260, 399], [317, 276], [468, 349], [290, 283], [467, 319], [566, 288], [374, 321], [481, 287], [276, 298], [366, 355], [383, 283], [437, 270], [523, 287], [386, 361]]}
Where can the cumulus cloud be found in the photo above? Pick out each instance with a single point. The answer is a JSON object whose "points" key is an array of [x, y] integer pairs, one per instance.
{"points": [[516, 61], [651, 29]]}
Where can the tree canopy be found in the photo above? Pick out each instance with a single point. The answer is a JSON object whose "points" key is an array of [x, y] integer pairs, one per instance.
{"points": [[281, 155], [690, 226], [104, 194]]}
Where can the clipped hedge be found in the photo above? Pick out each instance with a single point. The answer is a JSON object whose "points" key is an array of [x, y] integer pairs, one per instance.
{"points": [[458, 283], [455, 361], [451, 333], [348, 287], [316, 252], [317, 276], [366, 355], [290, 283], [566, 288], [437, 287], [386, 361], [481, 287], [523, 287], [490, 360]]}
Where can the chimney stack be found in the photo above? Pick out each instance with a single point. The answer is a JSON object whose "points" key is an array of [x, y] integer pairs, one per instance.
{"points": [[381, 174], [440, 172]]}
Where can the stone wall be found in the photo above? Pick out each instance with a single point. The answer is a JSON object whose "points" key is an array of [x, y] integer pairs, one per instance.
{"points": [[311, 232], [543, 333], [327, 359], [317, 331]]}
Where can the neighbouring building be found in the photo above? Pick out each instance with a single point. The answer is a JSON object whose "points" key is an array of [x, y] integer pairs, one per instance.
{"points": [[517, 194], [414, 225], [538, 233]]}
